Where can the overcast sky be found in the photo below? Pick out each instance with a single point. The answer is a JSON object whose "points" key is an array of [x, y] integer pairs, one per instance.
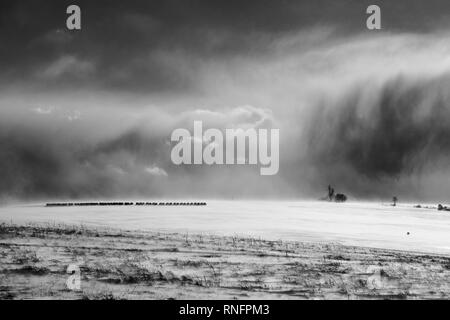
{"points": [[88, 114]]}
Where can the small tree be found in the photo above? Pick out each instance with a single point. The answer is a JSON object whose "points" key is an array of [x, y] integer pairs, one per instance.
{"points": [[330, 192], [394, 201]]}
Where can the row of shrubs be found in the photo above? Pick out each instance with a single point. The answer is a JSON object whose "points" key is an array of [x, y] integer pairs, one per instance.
{"points": [[81, 204]]}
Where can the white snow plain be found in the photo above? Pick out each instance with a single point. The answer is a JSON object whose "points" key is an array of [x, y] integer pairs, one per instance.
{"points": [[353, 223]]}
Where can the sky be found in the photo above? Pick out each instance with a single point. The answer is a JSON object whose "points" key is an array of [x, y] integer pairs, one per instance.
{"points": [[89, 113]]}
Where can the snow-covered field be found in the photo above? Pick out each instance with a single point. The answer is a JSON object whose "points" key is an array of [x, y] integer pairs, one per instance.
{"points": [[361, 224]]}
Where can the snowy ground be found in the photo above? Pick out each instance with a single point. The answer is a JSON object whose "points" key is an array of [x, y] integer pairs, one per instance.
{"points": [[226, 250], [362, 224], [115, 264]]}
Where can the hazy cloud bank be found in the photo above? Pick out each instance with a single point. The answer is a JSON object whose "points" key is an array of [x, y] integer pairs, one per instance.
{"points": [[366, 112]]}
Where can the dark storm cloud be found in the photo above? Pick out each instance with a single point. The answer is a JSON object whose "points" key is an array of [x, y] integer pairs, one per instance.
{"points": [[122, 45], [404, 129], [40, 158], [35, 163], [90, 113]]}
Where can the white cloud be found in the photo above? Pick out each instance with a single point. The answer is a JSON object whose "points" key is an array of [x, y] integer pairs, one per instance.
{"points": [[155, 171], [42, 110], [244, 117], [67, 65]]}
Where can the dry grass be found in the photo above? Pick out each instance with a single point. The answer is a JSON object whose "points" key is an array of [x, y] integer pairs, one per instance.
{"points": [[119, 264]]}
